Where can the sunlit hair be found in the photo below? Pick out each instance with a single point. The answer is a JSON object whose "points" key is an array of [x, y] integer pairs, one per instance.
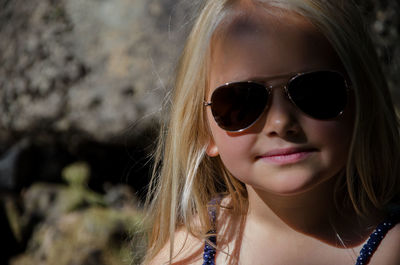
{"points": [[185, 179]]}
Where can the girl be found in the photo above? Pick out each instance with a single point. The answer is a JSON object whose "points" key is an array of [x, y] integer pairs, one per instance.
{"points": [[282, 145]]}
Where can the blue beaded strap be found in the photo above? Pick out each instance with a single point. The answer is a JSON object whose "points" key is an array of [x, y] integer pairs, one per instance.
{"points": [[376, 237], [209, 250]]}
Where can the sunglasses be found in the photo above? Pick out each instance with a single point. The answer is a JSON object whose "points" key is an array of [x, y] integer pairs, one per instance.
{"points": [[321, 95]]}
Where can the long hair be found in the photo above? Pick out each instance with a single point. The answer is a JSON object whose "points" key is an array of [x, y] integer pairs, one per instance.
{"points": [[185, 179]]}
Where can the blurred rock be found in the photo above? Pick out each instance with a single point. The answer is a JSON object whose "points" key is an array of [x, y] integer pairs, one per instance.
{"points": [[71, 224], [120, 196], [97, 236], [96, 67], [44, 201]]}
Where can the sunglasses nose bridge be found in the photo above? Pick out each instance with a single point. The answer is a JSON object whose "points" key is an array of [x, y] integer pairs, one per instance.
{"points": [[270, 88]]}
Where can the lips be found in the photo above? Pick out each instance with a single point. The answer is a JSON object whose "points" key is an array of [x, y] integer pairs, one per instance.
{"points": [[286, 155]]}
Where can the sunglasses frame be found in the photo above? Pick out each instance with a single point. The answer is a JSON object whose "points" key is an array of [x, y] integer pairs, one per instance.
{"points": [[291, 77]]}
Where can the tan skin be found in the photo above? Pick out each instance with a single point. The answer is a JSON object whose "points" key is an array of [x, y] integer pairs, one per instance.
{"points": [[292, 218]]}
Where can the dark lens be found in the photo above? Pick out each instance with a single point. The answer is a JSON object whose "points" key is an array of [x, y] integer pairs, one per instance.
{"points": [[238, 105], [321, 95]]}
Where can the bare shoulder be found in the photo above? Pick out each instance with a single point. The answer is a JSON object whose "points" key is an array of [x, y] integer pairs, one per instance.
{"points": [[388, 251], [187, 249]]}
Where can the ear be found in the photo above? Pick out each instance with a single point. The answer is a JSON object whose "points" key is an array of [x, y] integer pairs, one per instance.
{"points": [[212, 149]]}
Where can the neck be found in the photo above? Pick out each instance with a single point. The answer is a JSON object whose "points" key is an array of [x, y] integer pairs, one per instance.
{"points": [[312, 213]]}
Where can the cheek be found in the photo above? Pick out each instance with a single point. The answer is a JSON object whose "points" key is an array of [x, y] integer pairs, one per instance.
{"points": [[236, 155], [233, 148], [231, 144], [326, 131], [333, 136]]}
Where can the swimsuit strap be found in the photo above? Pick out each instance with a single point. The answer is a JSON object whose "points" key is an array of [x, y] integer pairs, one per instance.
{"points": [[376, 237], [209, 250]]}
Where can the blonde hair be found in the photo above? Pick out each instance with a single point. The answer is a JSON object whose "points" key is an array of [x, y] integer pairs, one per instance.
{"points": [[185, 179]]}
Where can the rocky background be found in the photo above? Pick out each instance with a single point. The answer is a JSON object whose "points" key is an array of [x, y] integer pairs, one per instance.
{"points": [[82, 83]]}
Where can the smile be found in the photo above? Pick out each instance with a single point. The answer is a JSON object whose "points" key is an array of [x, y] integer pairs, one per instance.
{"points": [[286, 156]]}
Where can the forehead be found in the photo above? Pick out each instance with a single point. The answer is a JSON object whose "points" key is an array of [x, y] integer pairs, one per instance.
{"points": [[254, 16], [265, 41]]}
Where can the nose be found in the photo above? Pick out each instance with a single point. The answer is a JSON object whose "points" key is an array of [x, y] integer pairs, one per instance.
{"points": [[281, 117]]}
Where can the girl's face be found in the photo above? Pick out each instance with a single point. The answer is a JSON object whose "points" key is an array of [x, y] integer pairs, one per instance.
{"points": [[285, 152]]}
